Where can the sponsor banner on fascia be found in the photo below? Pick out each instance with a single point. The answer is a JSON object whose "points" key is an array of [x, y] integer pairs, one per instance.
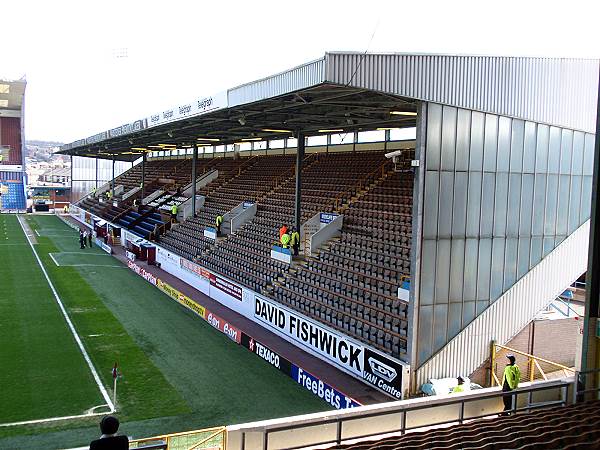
{"points": [[336, 348], [171, 257], [96, 138], [194, 268], [233, 333], [191, 109], [384, 373], [331, 395], [128, 128], [327, 217], [228, 287], [142, 272]]}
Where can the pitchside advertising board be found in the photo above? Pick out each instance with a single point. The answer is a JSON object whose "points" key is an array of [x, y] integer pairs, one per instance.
{"points": [[323, 390], [353, 357], [318, 387]]}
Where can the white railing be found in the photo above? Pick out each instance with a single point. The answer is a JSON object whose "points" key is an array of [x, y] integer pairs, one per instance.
{"points": [[153, 196], [131, 192], [238, 216], [321, 430], [327, 232], [185, 208], [201, 181], [508, 315]]}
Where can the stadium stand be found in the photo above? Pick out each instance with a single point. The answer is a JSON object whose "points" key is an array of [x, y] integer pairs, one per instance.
{"points": [[350, 285], [570, 427]]}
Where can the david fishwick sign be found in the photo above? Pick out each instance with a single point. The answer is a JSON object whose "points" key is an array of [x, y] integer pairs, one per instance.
{"points": [[371, 366]]}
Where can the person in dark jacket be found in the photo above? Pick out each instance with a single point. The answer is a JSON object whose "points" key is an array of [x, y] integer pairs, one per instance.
{"points": [[81, 239], [109, 425], [90, 238]]}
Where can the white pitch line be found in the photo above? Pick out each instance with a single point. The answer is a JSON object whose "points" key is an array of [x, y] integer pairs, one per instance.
{"points": [[53, 419], [52, 257], [70, 324], [82, 253], [93, 265], [36, 232]]}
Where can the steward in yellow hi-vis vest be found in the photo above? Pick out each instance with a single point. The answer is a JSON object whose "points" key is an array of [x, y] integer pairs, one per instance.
{"points": [[510, 381], [218, 222], [295, 241]]}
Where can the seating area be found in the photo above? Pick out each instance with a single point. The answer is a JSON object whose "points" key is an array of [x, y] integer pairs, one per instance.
{"points": [[571, 427], [352, 283]]}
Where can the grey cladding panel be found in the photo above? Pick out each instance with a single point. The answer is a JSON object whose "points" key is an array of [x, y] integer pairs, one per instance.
{"points": [[554, 150], [514, 204], [463, 138], [529, 148], [526, 204], [501, 204], [504, 139], [477, 134], [445, 204], [541, 151], [457, 264], [497, 278], [578, 150], [588, 155], [442, 271], [490, 148], [470, 271], [566, 151], [493, 210], [434, 136], [448, 147], [516, 146], [539, 205], [430, 204], [459, 210], [484, 269], [440, 326], [428, 272], [551, 205], [474, 204]]}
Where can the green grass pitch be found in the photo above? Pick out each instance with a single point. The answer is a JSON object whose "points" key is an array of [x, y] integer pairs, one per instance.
{"points": [[179, 373]]}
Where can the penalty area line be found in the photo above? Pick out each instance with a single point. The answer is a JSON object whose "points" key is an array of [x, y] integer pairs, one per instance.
{"points": [[52, 257], [70, 324]]}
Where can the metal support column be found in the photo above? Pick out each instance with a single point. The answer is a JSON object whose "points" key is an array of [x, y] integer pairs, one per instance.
{"points": [[143, 176], [71, 200], [194, 161], [299, 158], [589, 357], [113, 178], [96, 173]]}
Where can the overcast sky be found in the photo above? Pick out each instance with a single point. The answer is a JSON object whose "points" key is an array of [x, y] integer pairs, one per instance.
{"points": [[91, 66]]}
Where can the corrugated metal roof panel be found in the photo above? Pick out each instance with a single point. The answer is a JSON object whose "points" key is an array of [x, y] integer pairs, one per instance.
{"points": [[548, 90], [306, 75]]}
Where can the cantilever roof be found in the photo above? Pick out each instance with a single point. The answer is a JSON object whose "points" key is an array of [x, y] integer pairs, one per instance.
{"points": [[357, 91]]}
